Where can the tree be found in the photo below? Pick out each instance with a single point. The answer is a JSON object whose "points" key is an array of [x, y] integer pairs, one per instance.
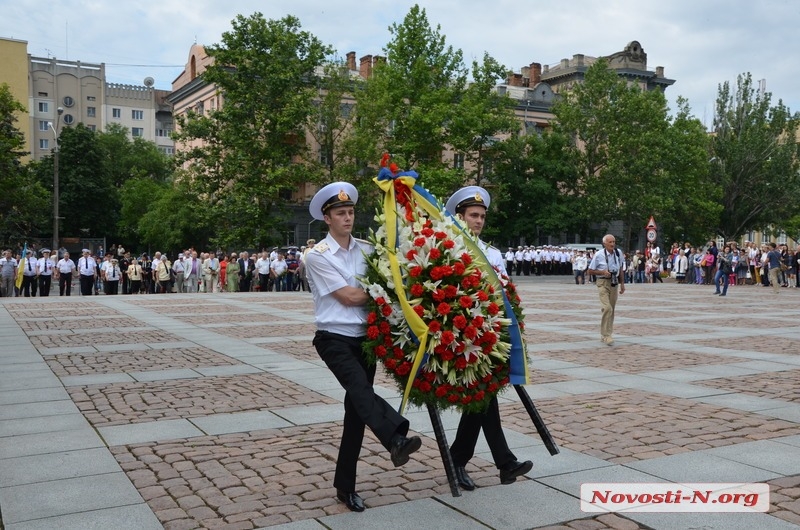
{"points": [[418, 104], [244, 169], [23, 201], [754, 160]]}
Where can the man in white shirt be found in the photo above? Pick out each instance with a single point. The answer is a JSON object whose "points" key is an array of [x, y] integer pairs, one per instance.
{"points": [[45, 266], [178, 267], [279, 270], [519, 257], [87, 268], [29, 280], [263, 267], [192, 271], [64, 269], [510, 260], [608, 266], [8, 274], [210, 272], [333, 268], [470, 205], [579, 264]]}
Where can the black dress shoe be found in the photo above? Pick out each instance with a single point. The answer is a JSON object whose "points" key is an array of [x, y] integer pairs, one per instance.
{"points": [[402, 447], [352, 500], [510, 472], [463, 479]]}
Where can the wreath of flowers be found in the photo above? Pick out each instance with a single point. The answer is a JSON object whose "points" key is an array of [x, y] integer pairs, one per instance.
{"points": [[466, 359]]}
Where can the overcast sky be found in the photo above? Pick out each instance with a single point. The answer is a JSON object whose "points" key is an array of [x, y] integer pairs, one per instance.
{"points": [[700, 43]]}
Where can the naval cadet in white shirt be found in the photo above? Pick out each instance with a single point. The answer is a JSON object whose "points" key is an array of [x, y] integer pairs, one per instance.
{"points": [[65, 266], [45, 266], [470, 204], [87, 267], [333, 268], [29, 282]]}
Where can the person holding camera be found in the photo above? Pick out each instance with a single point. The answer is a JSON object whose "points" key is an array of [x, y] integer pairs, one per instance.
{"points": [[607, 266]]}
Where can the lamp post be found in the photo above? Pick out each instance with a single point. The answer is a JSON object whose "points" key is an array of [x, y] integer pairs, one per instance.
{"points": [[56, 246]]}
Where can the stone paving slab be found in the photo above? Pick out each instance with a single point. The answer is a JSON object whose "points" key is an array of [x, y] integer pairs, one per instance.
{"points": [[55, 466], [677, 390], [135, 516]]}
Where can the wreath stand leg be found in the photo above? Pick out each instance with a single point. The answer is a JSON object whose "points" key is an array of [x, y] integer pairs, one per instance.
{"points": [[444, 449], [538, 422]]}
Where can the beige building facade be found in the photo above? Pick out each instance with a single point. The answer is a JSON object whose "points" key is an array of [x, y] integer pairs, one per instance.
{"points": [[14, 73]]}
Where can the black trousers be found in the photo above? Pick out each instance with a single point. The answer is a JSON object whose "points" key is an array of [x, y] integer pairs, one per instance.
{"points": [[29, 286], [469, 428], [112, 287], [44, 284], [87, 284], [65, 284], [362, 406]]}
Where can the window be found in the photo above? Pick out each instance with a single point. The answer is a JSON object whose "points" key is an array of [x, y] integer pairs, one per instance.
{"points": [[116, 113], [68, 101], [90, 112], [487, 167], [167, 150], [90, 98], [323, 156], [137, 131], [137, 114], [200, 108], [163, 133], [781, 238], [458, 160], [68, 119], [92, 128], [44, 106], [44, 125], [42, 94], [44, 143]]}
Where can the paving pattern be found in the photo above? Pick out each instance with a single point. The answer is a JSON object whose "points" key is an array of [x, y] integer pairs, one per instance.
{"points": [[214, 411]]}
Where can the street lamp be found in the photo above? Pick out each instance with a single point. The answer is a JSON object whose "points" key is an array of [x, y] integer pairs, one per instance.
{"points": [[56, 246]]}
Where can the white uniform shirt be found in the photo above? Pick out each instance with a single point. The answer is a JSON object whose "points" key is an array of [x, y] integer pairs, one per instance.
{"points": [[580, 263], [279, 266], [45, 266], [510, 255], [329, 268], [87, 266], [30, 267], [493, 256]]}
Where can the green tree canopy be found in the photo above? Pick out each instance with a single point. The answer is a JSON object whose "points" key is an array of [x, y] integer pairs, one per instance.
{"points": [[754, 160], [23, 201], [245, 167]]}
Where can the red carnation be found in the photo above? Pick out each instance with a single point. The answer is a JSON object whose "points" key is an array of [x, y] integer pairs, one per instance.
{"points": [[460, 347], [493, 387], [453, 398], [380, 300], [479, 395], [404, 369], [435, 253], [450, 291], [448, 337], [438, 295], [420, 241], [427, 232], [386, 310], [482, 296], [425, 386], [384, 327], [429, 376], [492, 309], [390, 364], [441, 391], [434, 326], [486, 378], [466, 259], [470, 332], [465, 302], [410, 254], [380, 351], [448, 244], [415, 271], [459, 268], [419, 310], [460, 322], [440, 235], [417, 290], [398, 352], [478, 322], [373, 332], [466, 399], [372, 317], [436, 273], [443, 309], [447, 354], [461, 363], [447, 270], [387, 340]]}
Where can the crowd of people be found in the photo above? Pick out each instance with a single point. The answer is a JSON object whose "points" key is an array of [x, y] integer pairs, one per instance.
{"points": [[118, 272]]}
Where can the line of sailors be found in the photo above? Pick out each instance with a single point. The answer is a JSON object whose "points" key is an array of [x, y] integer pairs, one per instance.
{"points": [[37, 274], [547, 260]]}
